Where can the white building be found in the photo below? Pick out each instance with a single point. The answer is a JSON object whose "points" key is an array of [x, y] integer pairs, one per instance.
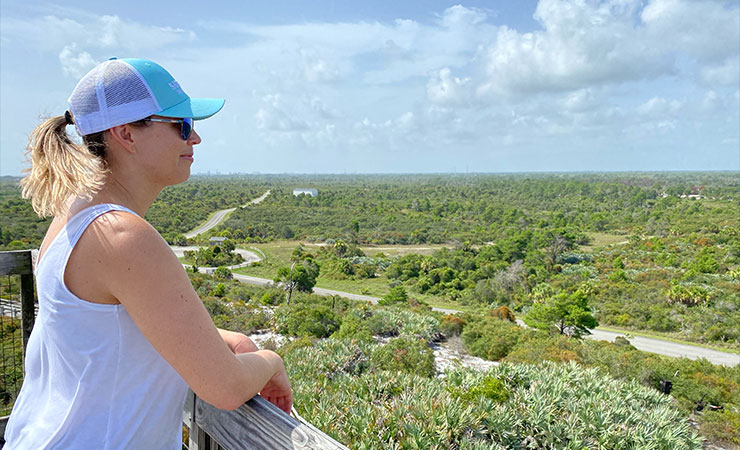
{"points": [[311, 192]]}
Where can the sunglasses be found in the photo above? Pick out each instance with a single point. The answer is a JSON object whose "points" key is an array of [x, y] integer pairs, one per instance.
{"points": [[186, 125]]}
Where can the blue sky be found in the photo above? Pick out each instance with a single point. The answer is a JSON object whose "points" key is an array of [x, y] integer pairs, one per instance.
{"points": [[424, 86]]}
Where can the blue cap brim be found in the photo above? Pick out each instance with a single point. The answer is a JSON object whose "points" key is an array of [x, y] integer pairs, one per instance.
{"points": [[197, 108]]}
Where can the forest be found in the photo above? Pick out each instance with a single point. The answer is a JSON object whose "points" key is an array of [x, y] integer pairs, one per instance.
{"points": [[655, 253]]}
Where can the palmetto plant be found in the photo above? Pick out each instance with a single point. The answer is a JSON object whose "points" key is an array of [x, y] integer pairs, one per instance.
{"points": [[551, 406]]}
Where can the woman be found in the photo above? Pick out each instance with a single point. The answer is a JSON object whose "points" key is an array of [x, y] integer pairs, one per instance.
{"points": [[120, 332]]}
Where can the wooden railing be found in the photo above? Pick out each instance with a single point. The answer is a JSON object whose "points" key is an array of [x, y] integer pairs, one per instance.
{"points": [[257, 424]]}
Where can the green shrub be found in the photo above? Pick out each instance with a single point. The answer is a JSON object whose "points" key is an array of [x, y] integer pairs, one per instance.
{"points": [[353, 328], [490, 387], [272, 297], [223, 273], [300, 319], [405, 354], [538, 347], [722, 426], [503, 313], [291, 346], [396, 321], [492, 339], [397, 295], [451, 325], [215, 306]]}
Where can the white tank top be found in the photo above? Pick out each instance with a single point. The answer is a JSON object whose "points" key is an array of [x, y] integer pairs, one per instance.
{"points": [[92, 380]]}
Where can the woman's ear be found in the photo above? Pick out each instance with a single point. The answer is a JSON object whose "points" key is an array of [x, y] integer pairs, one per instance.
{"points": [[123, 137]]}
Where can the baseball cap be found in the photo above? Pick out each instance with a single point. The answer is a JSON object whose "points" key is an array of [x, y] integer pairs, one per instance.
{"points": [[120, 91]]}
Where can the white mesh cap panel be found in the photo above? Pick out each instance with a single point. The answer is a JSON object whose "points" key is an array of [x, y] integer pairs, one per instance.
{"points": [[122, 85], [111, 94]]}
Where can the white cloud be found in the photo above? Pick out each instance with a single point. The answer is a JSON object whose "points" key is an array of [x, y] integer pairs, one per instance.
{"points": [[318, 106], [660, 107], [709, 30], [75, 63], [272, 116], [710, 102], [317, 69], [724, 74], [585, 43], [459, 16], [590, 73], [447, 89], [582, 44], [580, 101], [102, 33]]}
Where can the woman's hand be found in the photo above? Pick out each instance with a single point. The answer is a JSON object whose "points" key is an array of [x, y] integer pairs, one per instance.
{"points": [[278, 391], [237, 342]]}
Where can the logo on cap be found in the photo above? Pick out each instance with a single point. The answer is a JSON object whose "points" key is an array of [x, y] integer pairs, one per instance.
{"points": [[175, 86]]}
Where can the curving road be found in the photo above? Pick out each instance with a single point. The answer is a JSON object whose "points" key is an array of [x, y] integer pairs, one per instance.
{"points": [[219, 216], [645, 344]]}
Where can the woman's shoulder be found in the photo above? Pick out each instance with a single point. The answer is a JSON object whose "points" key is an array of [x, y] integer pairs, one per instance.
{"points": [[125, 231], [118, 247]]}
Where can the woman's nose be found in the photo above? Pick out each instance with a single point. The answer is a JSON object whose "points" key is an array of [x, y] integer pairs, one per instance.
{"points": [[194, 138]]}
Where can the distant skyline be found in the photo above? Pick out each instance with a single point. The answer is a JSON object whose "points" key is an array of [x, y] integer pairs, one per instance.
{"points": [[406, 87]]}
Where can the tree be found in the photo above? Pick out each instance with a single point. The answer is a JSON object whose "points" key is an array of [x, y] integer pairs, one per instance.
{"points": [[569, 313], [220, 290], [301, 275], [396, 295], [223, 273], [229, 246], [558, 245]]}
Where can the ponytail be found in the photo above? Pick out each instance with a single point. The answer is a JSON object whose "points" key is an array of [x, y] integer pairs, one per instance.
{"points": [[61, 169]]}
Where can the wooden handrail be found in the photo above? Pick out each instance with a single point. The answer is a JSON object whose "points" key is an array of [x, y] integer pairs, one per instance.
{"points": [[256, 425]]}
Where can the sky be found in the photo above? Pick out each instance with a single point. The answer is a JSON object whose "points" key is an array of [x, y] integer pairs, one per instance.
{"points": [[405, 86]]}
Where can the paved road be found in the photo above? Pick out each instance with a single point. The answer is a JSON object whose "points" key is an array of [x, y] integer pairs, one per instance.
{"points": [[212, 222], [645, 344], [668, 348], [219, 216]]}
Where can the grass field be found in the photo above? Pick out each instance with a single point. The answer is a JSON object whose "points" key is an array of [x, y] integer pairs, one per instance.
{"points": [[602, 240], [277, 254]]}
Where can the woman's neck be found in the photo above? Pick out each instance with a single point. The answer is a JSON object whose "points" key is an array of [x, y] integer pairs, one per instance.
{"points": [[138, 197]]}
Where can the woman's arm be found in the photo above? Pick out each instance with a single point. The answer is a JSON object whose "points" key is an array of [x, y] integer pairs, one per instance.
{"points": [[132, 262]]}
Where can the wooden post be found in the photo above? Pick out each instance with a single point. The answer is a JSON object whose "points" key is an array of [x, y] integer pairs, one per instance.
{"points": [[28, 315], [20, 263], [197, 437]]}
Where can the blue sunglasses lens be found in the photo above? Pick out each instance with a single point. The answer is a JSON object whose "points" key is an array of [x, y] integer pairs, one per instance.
{"points": [[186, 128]]}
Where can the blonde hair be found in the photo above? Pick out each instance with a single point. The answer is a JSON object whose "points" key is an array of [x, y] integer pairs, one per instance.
{"points": [[61, 169]]}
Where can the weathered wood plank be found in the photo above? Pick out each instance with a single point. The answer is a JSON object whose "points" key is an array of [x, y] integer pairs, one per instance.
{"points": [[258, 425], [17, 262]]}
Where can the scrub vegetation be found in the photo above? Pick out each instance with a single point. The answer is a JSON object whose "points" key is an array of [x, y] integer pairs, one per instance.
{"points": [[366, 375], [650, 253]]}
